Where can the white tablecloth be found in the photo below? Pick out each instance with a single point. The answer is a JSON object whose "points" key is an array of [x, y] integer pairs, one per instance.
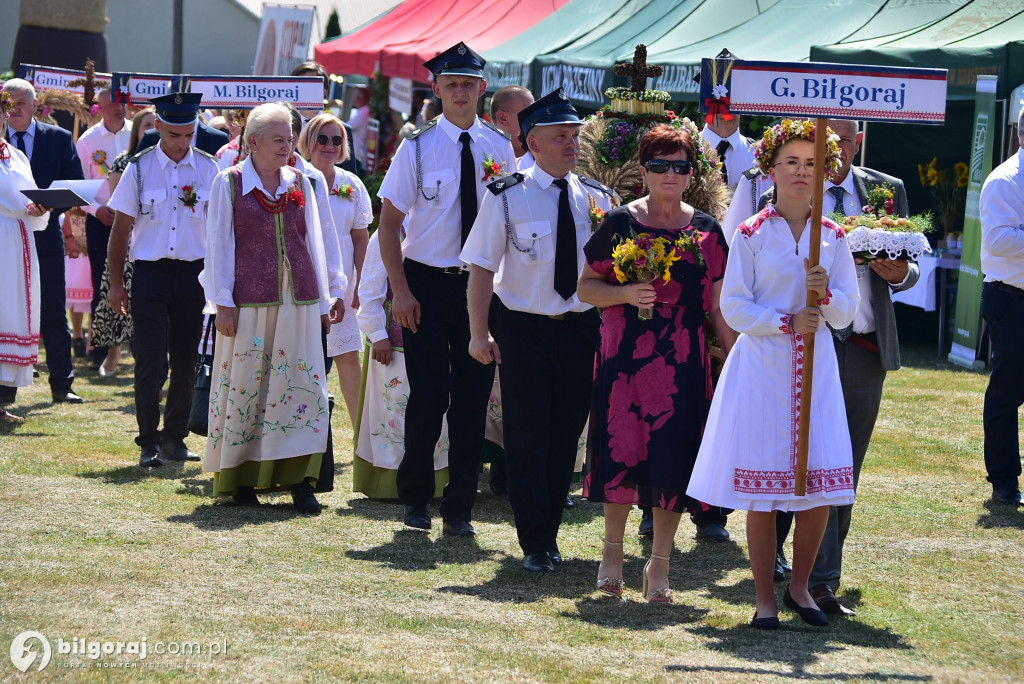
{"points": [[922, 295]]}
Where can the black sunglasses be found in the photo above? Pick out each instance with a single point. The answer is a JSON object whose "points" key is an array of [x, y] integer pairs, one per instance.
{"points": [[335, 140], [681, 167]]}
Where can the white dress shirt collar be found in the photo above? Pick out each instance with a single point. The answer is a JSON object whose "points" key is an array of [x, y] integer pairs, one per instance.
{"points": [[714, 138], [453, 131], [543, 178], [164, 160], [251, 179]]}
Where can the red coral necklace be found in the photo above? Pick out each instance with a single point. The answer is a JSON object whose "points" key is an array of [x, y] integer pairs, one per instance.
{"points": [[273, 206]]}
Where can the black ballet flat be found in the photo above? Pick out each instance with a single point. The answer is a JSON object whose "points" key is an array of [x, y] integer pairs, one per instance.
{"points": [[765, 623], [812, 616]]}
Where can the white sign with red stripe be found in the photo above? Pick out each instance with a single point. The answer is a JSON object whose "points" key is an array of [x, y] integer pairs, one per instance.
{"points": [[246, 92], [842, 91]]}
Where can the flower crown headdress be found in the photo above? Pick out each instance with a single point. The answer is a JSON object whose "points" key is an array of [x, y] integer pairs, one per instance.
{"points": [[6, 103], [793, 129]]}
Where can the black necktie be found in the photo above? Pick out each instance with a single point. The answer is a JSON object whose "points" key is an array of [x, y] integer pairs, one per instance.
{"points": [[20, 142], [566, 269], [838, 193], [467, 186], [722, 148]]}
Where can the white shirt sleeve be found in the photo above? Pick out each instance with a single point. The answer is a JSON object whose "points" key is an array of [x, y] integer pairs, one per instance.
{"points": [[218, 276], [399, 185], [373, 289], [1002, 214], [125, 198], [316, 241], [485, 244], [741, 311], [336, 279], [840, 303]]}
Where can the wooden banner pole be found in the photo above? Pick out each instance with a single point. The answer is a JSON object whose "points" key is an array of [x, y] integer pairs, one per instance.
{"points": [[820, 139]]}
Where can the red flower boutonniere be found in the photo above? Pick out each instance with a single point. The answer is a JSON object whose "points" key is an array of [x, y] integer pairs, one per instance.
{"points": [[492, 169], [295, 195], [344, 191], [597, 214], [189, 197]]}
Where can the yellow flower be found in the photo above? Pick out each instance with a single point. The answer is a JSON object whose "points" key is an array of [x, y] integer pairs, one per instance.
{"points": [[920, 172], [962, 174]]}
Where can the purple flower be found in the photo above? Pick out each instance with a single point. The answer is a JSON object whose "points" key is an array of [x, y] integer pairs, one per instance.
{"points": [[302, 409]]}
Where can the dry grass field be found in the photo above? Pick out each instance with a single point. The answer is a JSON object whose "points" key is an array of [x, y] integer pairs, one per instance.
{"points": [[94, 548]]}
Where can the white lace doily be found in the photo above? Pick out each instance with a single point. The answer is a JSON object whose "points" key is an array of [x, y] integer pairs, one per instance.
{"points": [[871, 240]]}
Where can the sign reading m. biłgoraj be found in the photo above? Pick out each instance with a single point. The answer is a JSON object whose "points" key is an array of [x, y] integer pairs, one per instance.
{"points": [[246, 92], [819, 89]]}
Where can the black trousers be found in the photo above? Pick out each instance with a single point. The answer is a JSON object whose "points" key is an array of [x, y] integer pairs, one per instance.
{"points": [[97, 236], [443, 379], [547, 375], [53, 328], [167, 306], [1003, 310]]}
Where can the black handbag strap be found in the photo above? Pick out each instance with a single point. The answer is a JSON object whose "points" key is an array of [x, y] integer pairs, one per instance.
{"points": [[206, 337]]}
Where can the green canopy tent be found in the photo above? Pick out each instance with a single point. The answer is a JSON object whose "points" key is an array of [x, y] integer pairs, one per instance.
{"points": [[509, 63], [786, 32], [584, 67]]}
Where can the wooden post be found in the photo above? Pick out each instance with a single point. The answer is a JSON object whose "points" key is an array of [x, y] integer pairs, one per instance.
{"points": [[820, 139]]}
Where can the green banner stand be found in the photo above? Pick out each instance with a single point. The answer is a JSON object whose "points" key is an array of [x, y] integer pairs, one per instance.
{"points": [[966, 336]]}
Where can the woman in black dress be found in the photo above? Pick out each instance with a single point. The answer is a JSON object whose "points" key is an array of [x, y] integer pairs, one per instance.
{"points": [[653, 379]]}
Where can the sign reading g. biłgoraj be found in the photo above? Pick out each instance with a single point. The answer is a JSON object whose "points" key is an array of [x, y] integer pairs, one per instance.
{"points": [[841, 91], [246, 92]]}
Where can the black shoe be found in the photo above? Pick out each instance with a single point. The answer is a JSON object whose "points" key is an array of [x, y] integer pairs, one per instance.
{"points": [[537, 562], [78, 347], [779, 575], [556, 557], [177, 451], [646, 528], [246, 496], [305, 502], [68, 397], [766, 623], [417, 516], [458, 528], [812, 616], [1007, 495], [150, 457], [780, 558], [826, 599], [712, 532], [569, 503]]}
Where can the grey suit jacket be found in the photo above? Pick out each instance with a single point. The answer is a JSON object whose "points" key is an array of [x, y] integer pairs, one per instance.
{"points": [[885, 318], [864, 179]]}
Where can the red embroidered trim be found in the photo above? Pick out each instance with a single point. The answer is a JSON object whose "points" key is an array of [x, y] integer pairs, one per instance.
{"points": [[26, 258], [753, 224], [787, 324], [19, 340], [5, 152], [784, 481], [826, 299], [834, 227]]}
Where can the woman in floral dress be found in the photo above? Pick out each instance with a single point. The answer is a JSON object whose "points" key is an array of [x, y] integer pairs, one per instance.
{"points": [[266, 273], [653, 377]]}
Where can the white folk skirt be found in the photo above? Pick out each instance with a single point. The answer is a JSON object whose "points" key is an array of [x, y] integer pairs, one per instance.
{"points": [[747, 457]]}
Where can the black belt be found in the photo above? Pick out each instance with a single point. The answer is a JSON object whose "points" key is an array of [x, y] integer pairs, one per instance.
{"points": [[1006, 287], [447, 270]]}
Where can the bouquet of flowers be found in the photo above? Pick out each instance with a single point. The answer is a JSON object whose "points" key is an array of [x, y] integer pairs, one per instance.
{"points": [[597, 214], [642, 258], [948, 187]]}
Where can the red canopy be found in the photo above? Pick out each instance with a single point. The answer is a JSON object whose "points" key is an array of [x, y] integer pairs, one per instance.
{"points": [[417, 30]]}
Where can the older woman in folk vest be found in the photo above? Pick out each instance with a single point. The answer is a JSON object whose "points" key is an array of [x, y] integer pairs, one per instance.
{"points": [[266, 275]]}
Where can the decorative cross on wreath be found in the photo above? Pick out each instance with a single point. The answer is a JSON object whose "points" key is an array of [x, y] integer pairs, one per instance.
{"points": [[639, 71], [90, 83]]}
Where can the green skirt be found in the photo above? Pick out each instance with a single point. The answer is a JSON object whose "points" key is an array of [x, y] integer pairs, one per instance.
{"points": [[268, 476]]}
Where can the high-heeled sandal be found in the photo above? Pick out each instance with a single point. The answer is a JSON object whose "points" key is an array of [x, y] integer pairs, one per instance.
{"points": [[611, 586], [661, 594]]}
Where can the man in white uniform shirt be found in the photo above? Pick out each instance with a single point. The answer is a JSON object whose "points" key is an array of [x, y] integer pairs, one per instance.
{"points": [[359, 121], [543, 336], [434, 186], [164, 193], [97, 148], [1002, 305]]}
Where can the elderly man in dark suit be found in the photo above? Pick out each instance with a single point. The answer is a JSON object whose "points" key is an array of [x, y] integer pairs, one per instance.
{"points": [[866, 350], [51, 152]]}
